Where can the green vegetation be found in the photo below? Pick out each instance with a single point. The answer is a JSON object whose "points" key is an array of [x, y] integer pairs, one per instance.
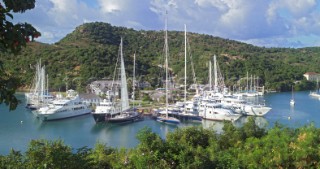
{"points": [[90, 53], [248, 146]]}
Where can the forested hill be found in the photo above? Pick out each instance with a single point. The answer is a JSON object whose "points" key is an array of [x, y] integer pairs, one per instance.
{"points": [[90, 52]]}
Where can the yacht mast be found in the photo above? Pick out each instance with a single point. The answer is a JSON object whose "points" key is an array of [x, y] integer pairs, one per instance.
{"points": [[215, 73], [185, 66], [166, 64], [133, 79], [247, 82], [210, 76]]}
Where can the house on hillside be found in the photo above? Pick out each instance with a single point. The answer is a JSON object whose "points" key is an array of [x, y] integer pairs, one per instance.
{"points": [[101, 87], [90, 98], [312, 76]]}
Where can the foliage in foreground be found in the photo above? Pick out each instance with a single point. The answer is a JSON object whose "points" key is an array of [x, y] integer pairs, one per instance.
{"points": [[248, 146]]}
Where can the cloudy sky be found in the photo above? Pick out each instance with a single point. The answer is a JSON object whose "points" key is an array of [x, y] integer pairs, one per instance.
{"points": [[269, 23]]}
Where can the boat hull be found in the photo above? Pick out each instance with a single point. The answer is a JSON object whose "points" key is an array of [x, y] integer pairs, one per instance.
{"points": [[222, 118], [169, 120], [256, 110], [124, 118], [189, 117], [62, 115], [99, 117]]}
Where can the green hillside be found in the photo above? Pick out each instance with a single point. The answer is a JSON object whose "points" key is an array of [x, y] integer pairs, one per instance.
{"points": [[90, 52]]}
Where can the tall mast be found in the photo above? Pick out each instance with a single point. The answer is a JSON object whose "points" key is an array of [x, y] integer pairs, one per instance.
{"points": [[210, 76], [47, 92], [185, 66], [133, 79], [166, 63], [215, 73], [251, 83], [247, 82]]}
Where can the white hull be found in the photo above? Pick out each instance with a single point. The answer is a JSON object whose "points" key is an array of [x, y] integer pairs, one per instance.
{"points": [[54, 115], [215, 112], [217, 115], [315, 94], [63, 108], [251, 110], [292, 103]]}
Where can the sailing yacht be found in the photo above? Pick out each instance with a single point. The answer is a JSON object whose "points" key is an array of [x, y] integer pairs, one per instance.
{"points": [[39, 96], [106, 106], [164, 118], [126, 113], [316, 93], [187, 115], [292, 102]]}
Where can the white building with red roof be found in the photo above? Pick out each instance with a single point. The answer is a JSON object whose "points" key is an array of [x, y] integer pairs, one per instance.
{"points": [[312, 76]]}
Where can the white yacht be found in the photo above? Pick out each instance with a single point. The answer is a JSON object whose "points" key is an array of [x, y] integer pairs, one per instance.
{"points": [[62, 108], [215, 111], [237, 105], [315, 94], [105, 107], [118, 112]]}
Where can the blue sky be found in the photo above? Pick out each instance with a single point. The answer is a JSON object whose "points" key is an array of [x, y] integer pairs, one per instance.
{"points": [[269, 23]]}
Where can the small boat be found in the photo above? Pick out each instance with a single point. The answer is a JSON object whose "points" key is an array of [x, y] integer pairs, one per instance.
{"points": [[292, 102], [316, 93], [168, 120]]}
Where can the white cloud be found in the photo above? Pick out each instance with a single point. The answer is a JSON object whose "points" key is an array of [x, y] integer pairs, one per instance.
{"points": [[109, 6], [71, 12], [258, 22]]}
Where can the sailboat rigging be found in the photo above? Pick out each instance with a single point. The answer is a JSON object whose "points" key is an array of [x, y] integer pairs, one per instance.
{"points": [[126, 114], [166, 118], [187, 115]]}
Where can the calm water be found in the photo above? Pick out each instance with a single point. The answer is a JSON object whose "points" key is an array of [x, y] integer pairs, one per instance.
{"points": [[18, 127]]}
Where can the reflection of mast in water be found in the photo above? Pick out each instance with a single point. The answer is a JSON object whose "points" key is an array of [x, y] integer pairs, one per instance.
{"points": [[164, 129], [291, 113]]}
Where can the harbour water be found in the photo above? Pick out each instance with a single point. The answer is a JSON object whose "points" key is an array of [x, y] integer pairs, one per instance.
{"points": [[19, 127]]}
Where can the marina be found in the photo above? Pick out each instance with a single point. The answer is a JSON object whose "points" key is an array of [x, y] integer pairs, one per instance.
{"points": [[20, 126]]}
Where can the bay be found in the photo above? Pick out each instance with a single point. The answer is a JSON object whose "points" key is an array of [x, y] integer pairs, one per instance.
{"points": [[19, 127]]}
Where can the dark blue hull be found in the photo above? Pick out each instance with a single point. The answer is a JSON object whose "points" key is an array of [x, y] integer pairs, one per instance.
{"points": [[193, 118], [131, 118]]}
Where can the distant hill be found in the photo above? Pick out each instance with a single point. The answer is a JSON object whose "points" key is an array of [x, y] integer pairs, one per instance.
{"points": [[90, 52]]}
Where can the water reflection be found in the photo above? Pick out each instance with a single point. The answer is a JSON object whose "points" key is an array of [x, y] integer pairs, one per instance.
{"points": [[213, 125], [260, 121]]}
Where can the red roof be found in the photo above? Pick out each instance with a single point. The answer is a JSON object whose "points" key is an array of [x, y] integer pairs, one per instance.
{"points": [[311, 73]]}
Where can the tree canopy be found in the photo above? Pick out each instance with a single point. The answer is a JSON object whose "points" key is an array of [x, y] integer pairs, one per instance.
{"points": [[248, 146], [12, 38], [90, 51]]}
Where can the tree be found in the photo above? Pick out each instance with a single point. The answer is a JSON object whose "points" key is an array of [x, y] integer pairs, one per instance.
{"points": [[12, 38]]}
